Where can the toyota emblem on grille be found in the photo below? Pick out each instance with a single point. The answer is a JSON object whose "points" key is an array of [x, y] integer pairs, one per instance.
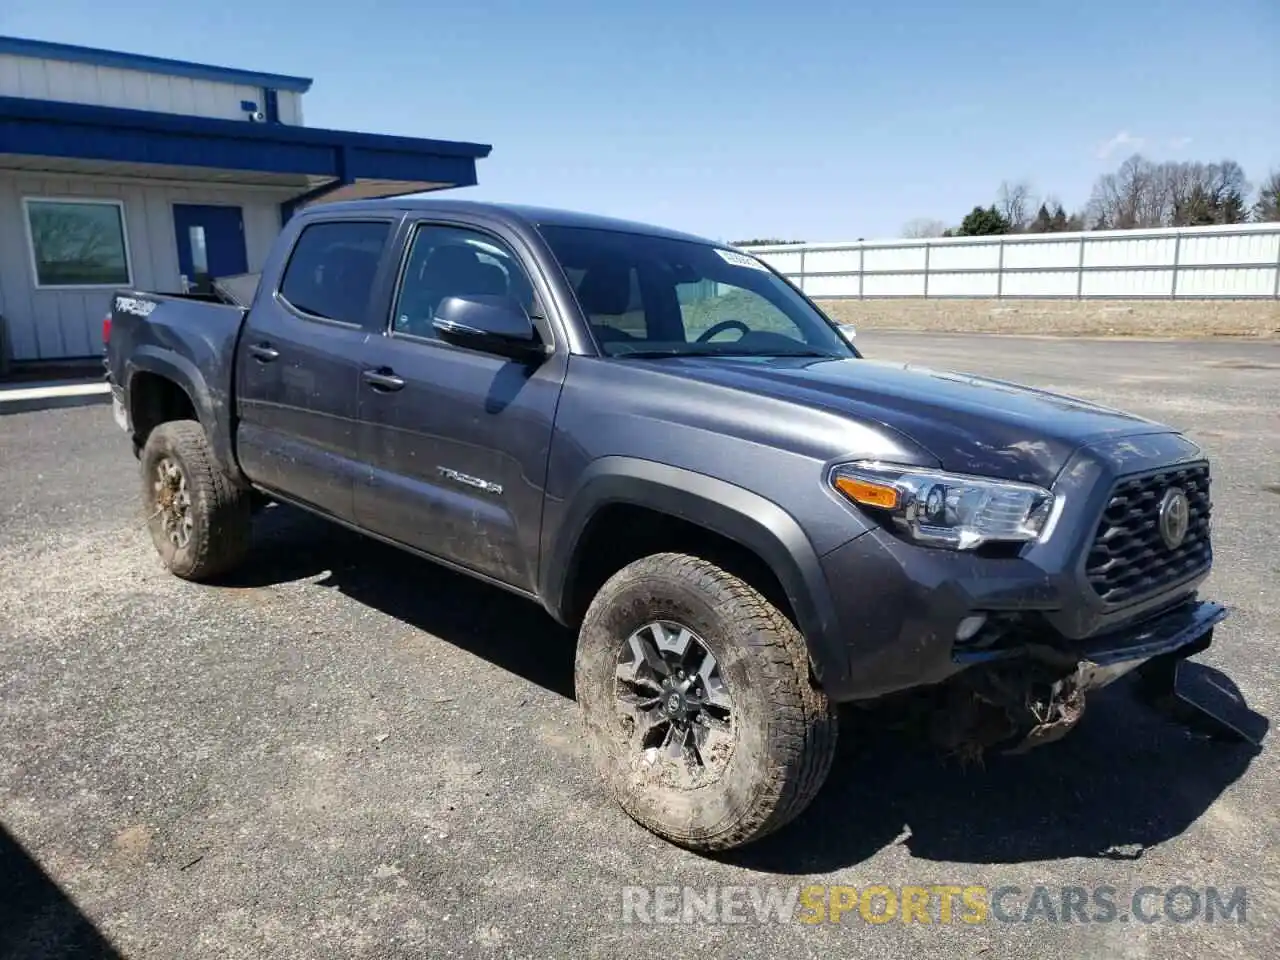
{"points": [[1175, 515]]}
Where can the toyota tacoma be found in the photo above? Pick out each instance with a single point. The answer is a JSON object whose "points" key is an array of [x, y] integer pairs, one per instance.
{"points": [[668, 447]]}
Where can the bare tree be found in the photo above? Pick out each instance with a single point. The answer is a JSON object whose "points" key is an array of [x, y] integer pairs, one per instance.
{"points": [[1133, 196], [1015, 203], [1229, 189], [1146, 189], [1139, 193], [1268, 206], [1202, 194], [923, 227], [1109, 207], [1186, 185], [1146, 194]]}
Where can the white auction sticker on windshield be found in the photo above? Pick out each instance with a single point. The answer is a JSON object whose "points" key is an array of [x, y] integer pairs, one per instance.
{"points": [[741, 260]]}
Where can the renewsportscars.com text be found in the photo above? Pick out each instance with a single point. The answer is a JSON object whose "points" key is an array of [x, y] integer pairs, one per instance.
{"points": [[936, 903]]}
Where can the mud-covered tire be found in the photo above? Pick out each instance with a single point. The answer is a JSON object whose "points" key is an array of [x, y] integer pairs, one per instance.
{"points": [[784, 729], [219, 530]]}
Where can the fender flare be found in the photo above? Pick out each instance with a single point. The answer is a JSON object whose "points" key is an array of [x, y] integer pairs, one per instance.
{"points": [[738, 514], [187, 376]]}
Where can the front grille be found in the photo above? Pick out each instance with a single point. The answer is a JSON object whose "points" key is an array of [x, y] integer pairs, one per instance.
{"points": [[1129, 559]]}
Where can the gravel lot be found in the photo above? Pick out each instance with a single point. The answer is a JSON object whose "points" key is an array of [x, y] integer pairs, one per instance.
{"points": [[351, 753]]}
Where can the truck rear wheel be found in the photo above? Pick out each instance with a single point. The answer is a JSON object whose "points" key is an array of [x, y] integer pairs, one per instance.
{"points": [[697, 702], [198, 518]]}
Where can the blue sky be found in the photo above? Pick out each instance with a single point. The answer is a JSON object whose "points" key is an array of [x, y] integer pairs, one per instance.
{"points": [[826, 120]]}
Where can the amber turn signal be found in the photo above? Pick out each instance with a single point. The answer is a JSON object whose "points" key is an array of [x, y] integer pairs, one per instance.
{"points": [[867, 493]]}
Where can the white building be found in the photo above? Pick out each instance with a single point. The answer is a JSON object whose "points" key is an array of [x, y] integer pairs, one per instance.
{"points": [[119, 170]]}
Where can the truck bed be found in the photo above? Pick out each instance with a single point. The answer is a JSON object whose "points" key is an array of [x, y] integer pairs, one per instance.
{"points": [[190, 341]]}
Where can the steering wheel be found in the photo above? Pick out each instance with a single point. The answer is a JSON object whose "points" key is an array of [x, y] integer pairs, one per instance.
{"points": [[721, 327]]}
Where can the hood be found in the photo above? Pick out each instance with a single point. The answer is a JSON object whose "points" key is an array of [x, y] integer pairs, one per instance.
{"points": [[971, 424]]}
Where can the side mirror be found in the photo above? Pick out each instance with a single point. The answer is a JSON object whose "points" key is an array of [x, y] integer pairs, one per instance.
{"points": [[494, 324], [848, 331]]}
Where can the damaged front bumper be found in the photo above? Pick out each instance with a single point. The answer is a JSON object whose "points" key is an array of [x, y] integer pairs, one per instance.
{"points": [[1115, 653], [1027, 694]]}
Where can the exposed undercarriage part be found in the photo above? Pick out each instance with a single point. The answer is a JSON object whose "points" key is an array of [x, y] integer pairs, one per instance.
{"points": [[1017, 704], [1013, 705]]}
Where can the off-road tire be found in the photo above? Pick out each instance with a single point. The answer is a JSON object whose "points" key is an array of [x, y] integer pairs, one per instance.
{"points": [[784, 727], [219, 508]]}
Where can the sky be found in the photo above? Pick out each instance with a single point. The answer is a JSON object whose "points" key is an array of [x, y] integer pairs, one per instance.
{"points": [[820, 120]]}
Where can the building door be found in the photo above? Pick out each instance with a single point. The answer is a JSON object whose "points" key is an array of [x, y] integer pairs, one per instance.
{"points": [[210, 243]]}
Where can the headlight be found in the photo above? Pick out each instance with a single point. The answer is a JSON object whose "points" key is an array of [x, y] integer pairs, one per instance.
{"points": [[947, 509]]}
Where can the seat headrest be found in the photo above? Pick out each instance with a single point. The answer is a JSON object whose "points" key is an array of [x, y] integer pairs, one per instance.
{"points": [[605, 289], [344, 286], [487, 279], [446, 260], [458, 270]]}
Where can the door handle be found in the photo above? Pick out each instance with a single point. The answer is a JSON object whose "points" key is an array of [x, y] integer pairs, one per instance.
{"points": [[383, 378], [264, 352]]}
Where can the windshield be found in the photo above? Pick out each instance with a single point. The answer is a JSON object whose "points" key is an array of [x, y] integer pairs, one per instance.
{"points": [[646, 295]]}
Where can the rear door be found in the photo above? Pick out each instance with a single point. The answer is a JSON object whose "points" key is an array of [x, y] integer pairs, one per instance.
{"points": [[457, 440], [297, 368]]}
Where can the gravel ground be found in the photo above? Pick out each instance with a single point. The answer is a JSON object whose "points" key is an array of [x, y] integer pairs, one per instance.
{"points": [[348, 752]]}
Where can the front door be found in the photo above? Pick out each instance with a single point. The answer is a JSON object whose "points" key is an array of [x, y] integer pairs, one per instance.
{"points": [[210, 243], [456, 440]]}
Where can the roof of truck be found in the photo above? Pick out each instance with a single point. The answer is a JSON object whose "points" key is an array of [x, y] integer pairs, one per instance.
{"points": [[515, 213]]}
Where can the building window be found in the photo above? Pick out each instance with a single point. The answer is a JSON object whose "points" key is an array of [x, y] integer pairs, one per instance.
{"points": [[78, 243]]}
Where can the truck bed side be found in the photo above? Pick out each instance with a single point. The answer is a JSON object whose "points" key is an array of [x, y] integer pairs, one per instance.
{"points": [[163, 349]]}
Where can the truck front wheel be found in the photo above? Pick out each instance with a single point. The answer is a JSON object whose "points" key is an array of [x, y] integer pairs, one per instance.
{"points": [[198, 518], [698, 706]]}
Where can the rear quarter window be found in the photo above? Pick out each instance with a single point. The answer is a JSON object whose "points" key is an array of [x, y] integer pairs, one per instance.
{"points": [[332, 267]]}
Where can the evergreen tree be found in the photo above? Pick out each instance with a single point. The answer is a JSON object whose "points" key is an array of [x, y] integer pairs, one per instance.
{"points": [[983, 222]]}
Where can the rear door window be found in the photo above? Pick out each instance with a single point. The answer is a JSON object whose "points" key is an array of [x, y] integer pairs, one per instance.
{"points": [[331, 271]]}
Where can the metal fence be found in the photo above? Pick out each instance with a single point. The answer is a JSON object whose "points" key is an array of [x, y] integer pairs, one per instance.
{"points": [[1240, 261]]}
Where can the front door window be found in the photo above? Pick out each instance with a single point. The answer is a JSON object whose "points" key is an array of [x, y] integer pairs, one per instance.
{"points": [[452, 262]]}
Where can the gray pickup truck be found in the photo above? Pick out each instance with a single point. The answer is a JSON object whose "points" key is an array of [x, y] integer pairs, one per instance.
{"points": [[666, 445]]}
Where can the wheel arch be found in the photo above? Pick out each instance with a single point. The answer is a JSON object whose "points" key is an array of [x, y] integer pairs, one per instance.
{"points": [[739, 516], [159, 382]]}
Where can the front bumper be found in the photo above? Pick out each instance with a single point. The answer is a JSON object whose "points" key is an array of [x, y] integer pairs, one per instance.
{"points": [[900, 624], [1187, 628], [1032, 695], [899, 605]]}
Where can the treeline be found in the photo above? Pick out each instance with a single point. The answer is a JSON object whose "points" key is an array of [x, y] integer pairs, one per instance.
{"points": [[763, 242], [1141, 193]]}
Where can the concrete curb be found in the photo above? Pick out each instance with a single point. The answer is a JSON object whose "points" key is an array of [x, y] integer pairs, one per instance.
{"points": [[52, 396]]}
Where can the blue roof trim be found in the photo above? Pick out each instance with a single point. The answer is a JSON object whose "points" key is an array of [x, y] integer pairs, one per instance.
{"points": [[79, 113], [45, 50], [77, 131]]}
